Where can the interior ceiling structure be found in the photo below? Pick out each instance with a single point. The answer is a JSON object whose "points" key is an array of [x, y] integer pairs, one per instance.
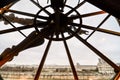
{"points": [[57, 21]]}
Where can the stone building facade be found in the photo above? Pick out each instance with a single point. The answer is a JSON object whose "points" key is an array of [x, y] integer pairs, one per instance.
{"points": [[101, 71], [104, 67]]}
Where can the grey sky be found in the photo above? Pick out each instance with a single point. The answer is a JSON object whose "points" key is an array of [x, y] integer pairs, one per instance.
{"points": [[108, 44]]}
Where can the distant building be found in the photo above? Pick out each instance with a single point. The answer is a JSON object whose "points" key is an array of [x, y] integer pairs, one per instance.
{"points": [[86, 67], [101, 71], [104, 67]]}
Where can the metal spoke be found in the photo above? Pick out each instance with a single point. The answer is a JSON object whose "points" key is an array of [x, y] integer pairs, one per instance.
{"points": [[15, 29], [5, 8], [57, 23], [102, 30], [40, 7], [64, 23], [96, 51], [101, 55], [27, 14], [87, 15], [92, 14], [98, 26], [75, 24], [74, 17], [117, 77], [43, 61], [41, 25], [75, 7], [70, 59], [12, 25]]}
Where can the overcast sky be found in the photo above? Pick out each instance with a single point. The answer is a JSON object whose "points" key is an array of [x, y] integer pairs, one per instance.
{"points": [[107, 44]]}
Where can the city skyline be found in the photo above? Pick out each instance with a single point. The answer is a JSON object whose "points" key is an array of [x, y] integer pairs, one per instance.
{"points": [[63, 72]]}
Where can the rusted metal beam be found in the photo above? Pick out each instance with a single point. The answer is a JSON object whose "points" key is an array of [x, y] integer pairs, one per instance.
{"points": [[101, 55], [12, 25], [102, 30], [35, 3], [27, 14], [97, 52], [117, 77], [14, 29], [70, 60], [42, 24], [43, 61], [93, 14], [99, 26]]}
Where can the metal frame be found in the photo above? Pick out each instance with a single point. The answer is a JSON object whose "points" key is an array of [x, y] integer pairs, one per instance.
{"points": [[84, 41]]}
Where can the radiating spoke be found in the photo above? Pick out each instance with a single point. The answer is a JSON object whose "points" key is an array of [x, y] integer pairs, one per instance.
{"points": [[101, 55], [92, 14], [5, 8], [41, 25], [57, 36], [43, 61], [98, 53], [117, 77], [70, 59], [102, 30], [15, 29], [27, 14], [98, 26], [40, 7], [74, 17], [75, 24], [75, 7], [12, 25]]}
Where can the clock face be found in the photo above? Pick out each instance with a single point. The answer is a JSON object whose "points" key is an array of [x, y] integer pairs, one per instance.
{"points": [[34, 31]]}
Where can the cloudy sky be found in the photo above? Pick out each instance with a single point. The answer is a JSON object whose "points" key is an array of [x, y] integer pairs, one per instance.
{"points": [[107, 44]]}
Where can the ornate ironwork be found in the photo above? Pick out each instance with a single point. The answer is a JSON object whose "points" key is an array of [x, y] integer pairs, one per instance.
{"points": [[57, 25]]}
